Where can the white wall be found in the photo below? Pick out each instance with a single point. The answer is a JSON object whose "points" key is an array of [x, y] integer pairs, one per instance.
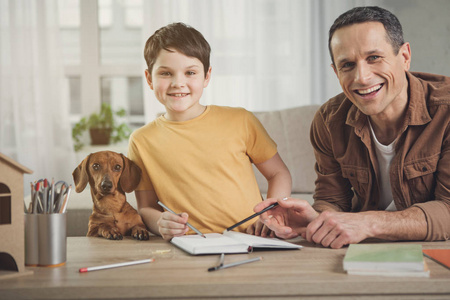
{"points": [[426, 25]]}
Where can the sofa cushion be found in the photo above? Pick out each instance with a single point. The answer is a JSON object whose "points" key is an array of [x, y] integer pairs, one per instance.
{"points": [[289, 128]]}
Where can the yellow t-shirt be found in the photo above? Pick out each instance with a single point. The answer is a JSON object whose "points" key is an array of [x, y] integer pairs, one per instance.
{"points": [[204, 166]]}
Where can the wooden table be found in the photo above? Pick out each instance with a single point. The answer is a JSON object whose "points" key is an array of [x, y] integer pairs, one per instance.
{"points": [[314, 272]]}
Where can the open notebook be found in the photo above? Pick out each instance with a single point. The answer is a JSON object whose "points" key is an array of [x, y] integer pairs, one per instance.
{"points": [[228, 242]]}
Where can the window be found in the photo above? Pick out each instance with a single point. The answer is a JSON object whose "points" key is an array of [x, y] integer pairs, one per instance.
{"points": [[103, 56], [5, 204]]}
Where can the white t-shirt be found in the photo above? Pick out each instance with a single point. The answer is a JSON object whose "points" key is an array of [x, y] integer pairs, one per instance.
{"points": [[385, 153]]}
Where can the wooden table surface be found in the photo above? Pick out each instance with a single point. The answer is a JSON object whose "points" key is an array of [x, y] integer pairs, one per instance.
{"points": [[314, 272]]}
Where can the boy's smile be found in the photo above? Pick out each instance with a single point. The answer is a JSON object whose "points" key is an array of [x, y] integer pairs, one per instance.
{"points": [[178, 82], [178, 95]]}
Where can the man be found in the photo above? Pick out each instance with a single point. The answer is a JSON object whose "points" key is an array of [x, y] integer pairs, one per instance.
{"points": [[382, 147]]}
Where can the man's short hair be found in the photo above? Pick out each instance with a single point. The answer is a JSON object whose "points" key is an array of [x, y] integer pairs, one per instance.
{"points": [[370, 14], [180, 37]]}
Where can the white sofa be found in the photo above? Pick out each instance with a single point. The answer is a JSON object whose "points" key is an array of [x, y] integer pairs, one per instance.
{"points": [[290, 130]]}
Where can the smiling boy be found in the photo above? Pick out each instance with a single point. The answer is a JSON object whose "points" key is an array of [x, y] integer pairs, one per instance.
{"points": [[198, 159], [382, 147]]}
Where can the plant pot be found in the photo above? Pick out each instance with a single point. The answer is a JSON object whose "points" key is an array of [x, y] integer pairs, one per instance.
{"points": [[100, 136]]}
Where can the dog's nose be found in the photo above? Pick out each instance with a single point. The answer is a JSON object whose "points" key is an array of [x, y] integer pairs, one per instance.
{"points": [[106, 185]]}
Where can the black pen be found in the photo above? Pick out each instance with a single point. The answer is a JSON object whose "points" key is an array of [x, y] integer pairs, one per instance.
{"points": [[252, 216]]}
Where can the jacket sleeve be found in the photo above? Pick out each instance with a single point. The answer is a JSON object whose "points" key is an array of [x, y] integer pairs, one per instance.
{"points": [[332, 190], [437, 212]]}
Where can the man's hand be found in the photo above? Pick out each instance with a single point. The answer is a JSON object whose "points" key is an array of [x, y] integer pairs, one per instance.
{"points": [[289, 219], [171, 225], [337, 229]]}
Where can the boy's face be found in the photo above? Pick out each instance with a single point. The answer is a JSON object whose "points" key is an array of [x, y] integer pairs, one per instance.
{"points": [[178, 82]]}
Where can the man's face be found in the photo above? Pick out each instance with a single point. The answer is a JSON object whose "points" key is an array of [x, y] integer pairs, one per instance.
{"points": [[371, 75]]}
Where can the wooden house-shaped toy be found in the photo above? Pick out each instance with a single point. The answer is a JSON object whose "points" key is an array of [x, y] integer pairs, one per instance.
{"points": [[12, 245]]}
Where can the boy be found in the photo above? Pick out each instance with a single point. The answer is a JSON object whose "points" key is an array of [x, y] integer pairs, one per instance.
{"points": [[198, 158]]}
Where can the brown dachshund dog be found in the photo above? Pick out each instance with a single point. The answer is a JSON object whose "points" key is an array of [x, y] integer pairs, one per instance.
{"points": [[110, 176]]}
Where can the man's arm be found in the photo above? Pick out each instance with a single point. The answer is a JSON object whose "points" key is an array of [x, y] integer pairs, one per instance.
{"points": [[337, 229], [332, 190]]}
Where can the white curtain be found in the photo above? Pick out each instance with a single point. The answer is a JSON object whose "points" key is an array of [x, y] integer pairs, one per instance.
{"points": [[257, 61], [34, 106], [324, 83], [266, 54]]}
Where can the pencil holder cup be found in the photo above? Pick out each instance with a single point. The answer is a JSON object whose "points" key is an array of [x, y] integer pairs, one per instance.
{"points": [[52, 239], [31, 240]]}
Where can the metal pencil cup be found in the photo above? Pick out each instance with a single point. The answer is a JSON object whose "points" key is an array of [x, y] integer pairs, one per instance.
{"points": [[51, 240]]}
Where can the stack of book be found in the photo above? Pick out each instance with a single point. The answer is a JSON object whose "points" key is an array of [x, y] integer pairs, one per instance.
{"points": [[386, 260]]}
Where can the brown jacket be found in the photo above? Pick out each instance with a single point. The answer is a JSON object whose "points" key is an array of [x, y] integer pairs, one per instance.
{"points": [[346, 163]]}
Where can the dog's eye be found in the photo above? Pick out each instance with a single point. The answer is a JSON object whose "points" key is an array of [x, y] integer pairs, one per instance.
{"points": [[96, 167], [117, 168]]}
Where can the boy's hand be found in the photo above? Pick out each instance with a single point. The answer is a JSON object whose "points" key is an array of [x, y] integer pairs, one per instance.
{"points": [[171, 225], [259, 229], [289, 219]]}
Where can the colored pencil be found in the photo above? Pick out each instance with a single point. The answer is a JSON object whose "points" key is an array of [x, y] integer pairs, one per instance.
{"points": [[123, 264]]}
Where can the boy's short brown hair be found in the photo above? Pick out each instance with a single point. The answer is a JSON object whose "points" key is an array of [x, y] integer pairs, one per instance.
{"points": [[180, 37]]}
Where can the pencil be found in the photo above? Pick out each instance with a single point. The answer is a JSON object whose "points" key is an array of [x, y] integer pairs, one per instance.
{"points": [[252, 216], [222, 258], [35, 198], [238, 263], [52, 197], [189, 225], [66, 198], [59, 201], [123, 264], [45, 195]]}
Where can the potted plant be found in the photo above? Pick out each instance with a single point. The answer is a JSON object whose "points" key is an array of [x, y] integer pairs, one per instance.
{"points": [[102, 126]]}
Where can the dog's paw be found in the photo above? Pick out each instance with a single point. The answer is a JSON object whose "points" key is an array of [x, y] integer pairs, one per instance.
{"points": [[140, 233], [112, 234]]}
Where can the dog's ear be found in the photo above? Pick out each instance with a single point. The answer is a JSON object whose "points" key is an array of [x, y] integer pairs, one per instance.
{"points": [[131, 175], [80, 175]]}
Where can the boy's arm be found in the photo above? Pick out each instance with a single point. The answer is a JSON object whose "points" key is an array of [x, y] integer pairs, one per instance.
{"points": [[146, 200], [280, 186], [164, 224], [278, 177]]}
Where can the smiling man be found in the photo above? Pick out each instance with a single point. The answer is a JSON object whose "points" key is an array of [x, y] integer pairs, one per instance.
{"points": [[382, 147]]}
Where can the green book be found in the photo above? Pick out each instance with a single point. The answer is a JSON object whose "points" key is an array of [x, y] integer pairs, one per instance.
{"points": [[385, 259]]}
